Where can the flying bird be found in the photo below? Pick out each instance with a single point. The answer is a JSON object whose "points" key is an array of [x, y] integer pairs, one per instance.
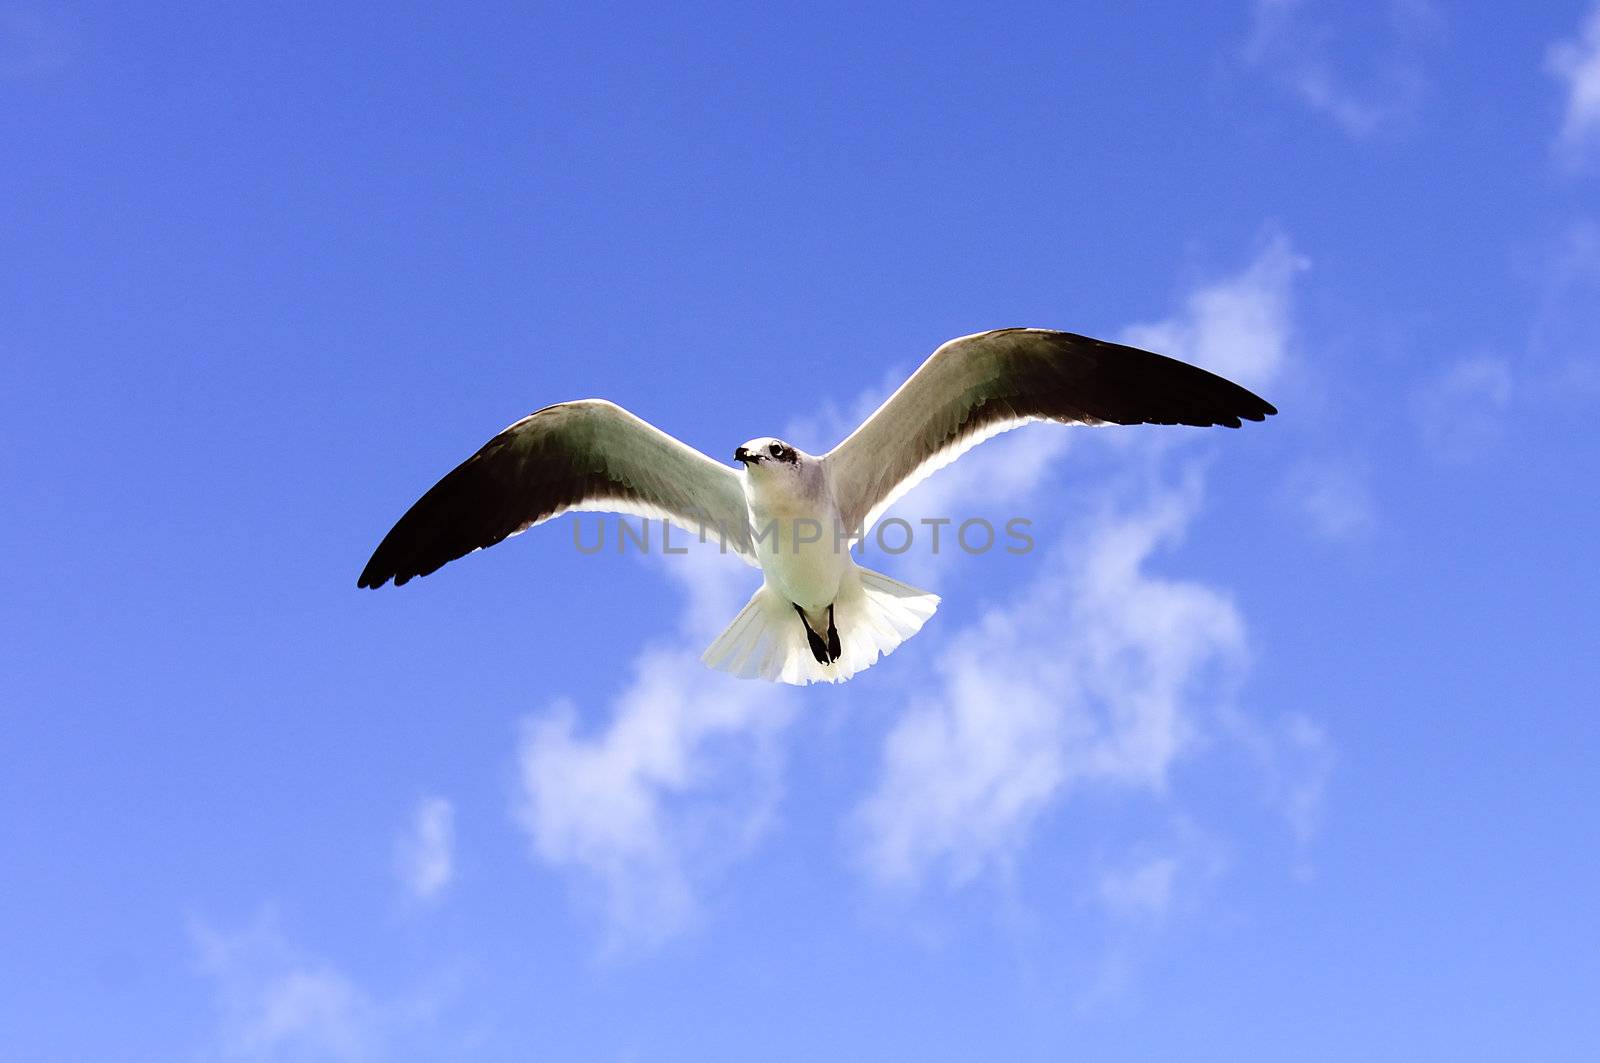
{"points": [[817, 616]]}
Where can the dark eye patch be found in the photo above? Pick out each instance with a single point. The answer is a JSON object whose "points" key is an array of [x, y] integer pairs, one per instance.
{"points": [[775, 450]]}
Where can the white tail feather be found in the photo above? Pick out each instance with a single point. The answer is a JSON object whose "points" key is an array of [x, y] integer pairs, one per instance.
{"points": [[873, 615]]}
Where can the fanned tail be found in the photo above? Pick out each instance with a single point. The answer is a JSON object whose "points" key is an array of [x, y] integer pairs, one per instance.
{"points": [[767, 639]]}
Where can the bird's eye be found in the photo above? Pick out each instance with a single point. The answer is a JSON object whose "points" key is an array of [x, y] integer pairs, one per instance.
{"points": [[775, 450]]}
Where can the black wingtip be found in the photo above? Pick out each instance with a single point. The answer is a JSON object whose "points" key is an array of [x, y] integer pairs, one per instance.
{"points": [[1258, 415], [1246, 405], [372, 577], [1261, 410]]}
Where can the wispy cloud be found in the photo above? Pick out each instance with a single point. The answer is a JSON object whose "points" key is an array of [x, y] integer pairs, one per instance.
{"points": [[1462, 410], [1141, 891], [1360, 66], [1563, 356], [1239, 327], [1085, 680], [1300, 759], [1101, 674], [1139, 894], [1293, 758], [680, 780], [1469, 405], [275, 1003], [425, 853], [1332, 499], [1576, 63]]}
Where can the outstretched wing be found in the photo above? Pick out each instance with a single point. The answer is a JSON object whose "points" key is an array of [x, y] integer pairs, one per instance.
{"points": [[978, 386], [586, 455]]}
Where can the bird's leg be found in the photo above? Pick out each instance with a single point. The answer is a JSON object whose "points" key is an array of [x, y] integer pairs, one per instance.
{"points": [[833, 637], [819, 649]]}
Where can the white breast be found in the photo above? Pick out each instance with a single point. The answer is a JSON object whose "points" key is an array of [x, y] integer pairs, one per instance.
{"points": [[795, 541]]}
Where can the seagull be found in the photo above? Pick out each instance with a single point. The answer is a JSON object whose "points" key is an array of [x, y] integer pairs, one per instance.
{"points": [[817, 616]]}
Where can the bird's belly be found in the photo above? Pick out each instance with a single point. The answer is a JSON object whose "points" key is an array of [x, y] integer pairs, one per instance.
{"points": [[807, 574]]}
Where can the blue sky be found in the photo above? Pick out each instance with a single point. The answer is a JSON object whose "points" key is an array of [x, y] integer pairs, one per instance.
{"points": [[1281, 744]]}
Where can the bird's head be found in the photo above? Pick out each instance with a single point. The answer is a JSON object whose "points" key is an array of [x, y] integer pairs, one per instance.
{"points": [[768, 454]]}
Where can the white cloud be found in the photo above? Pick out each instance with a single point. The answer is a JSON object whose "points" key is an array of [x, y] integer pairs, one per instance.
{"points": [[1240, 326], [1333, 500], [1577, 64], [274, 1004], [1104, 673], [1462, 410], [1359, 66], [425, 853], [678, 782], [1302, 764], [1084, 681], [1143, 891], [1563, 362], [1294, 758], [1139, 894]]}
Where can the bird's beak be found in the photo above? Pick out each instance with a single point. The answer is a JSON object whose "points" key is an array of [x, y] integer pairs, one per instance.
{"points": [[744, 457]]}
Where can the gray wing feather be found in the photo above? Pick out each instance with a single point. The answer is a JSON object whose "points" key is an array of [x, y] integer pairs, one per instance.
{"points": [[978, 386], [587, 455]]}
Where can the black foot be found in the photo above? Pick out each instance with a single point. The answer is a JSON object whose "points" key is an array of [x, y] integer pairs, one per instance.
{"points": [[819, 649], [833, 638]]}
